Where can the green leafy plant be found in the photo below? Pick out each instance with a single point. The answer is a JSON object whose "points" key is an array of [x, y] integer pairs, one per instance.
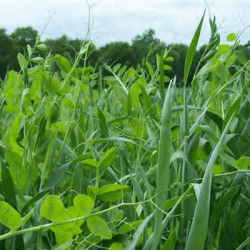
{"points": [[127, 160]]}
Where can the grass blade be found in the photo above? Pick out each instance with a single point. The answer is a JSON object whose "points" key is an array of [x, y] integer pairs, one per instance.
{"points": [[163, 169], [138, 233], [198, 231], [192, 49]]}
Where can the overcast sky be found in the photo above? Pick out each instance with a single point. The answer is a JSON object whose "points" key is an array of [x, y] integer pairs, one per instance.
{"points": [[120, 20]]}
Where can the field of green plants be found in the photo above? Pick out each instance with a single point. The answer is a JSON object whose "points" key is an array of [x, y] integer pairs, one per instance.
{"points": [[126, 161]]}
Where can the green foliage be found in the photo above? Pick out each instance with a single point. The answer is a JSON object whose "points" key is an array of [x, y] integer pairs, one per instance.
{"points": [[99, 227], [9, 217], [125, 159]]}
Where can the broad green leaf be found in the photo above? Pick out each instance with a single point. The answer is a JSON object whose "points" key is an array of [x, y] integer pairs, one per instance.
{"points": [[169, 59], [108, 158], [9, 217], [129, 74], [218, 169], [150, 69], [112, 192], [117, 246], [37, 59], [231, 37], [60, 127], [17, 170], [167, 67], [53, 209], [134, 93], [116, 68], [99, 227], [41, 47], [219, 69], [29, 49], [83, 205], [22, 61], [64, 233], [63, 63], [90, 163], [223, 48], [122, 70], [243, 163], [12, 91], [10, 138]]}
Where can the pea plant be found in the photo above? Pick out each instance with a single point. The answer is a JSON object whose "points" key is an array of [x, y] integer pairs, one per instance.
{"points": [[130, 160]]}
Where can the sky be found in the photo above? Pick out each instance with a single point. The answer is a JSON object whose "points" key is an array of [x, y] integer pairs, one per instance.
{"points": [[174, 21]]}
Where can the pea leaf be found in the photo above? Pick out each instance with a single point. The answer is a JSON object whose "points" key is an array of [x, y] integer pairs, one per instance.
{"points": [[243, 163], [224, 48], [231, 37], [117, 246], [99, 227], [83, 205], [9, 217], [63, 63], [112, 192], [53, 209], [21, 61], [108, 158]]}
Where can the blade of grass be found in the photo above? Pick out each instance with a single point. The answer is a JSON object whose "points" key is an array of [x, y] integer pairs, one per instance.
{"points": [[138, 233], [164, 223], [184, 125], [163, 169], [192, 49], [198, 231]]}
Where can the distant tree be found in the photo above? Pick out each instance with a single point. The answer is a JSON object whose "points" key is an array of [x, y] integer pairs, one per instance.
{"points": [[64, 46], [148, 37], [57, 46], [117, 52], [24, 36], [8, 54], [143, 44]]}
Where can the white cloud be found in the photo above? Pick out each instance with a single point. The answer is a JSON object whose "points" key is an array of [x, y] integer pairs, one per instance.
{"points": [[119, 20]]}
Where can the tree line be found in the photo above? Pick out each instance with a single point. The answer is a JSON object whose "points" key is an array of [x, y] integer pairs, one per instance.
{"points": [[129, 54]]}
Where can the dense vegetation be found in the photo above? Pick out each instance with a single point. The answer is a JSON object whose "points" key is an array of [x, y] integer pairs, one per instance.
{"points": [[117, 160], [129, 54]]}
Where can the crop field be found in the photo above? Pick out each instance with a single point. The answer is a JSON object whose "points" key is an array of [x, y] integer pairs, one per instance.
{"points": [[126, 161]]}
